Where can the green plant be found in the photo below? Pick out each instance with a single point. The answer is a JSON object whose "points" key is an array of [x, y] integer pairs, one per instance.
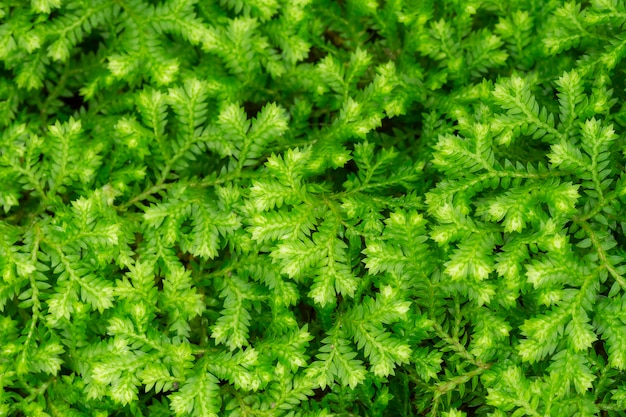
{"points": [[312, 208]]}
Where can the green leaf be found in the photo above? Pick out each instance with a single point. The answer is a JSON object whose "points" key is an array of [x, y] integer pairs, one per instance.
{"points": [[427, 363], [46, 358], [337, 362], [232, 326], [197, 397], [542, 335], [611, 325], [156, 375], [472, 259], [180, 300], [570, 368]]}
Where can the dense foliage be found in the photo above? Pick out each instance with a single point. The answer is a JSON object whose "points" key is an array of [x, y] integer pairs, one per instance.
{"points": [[312, 208]]}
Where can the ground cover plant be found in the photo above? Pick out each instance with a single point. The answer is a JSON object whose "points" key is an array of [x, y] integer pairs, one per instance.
{"points": [[312, 208]]}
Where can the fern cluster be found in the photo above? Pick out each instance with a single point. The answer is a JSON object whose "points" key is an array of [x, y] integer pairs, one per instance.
{"points": [[312, 208]]}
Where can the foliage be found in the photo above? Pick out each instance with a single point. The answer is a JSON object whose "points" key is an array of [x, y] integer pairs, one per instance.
{"points": [[312, 208]]}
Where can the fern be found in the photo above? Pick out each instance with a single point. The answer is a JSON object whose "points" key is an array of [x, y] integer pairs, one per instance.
{"points": [[312, 208]]}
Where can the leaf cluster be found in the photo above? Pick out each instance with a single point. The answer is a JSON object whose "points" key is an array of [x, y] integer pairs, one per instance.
{"points": [[312, 208]]}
